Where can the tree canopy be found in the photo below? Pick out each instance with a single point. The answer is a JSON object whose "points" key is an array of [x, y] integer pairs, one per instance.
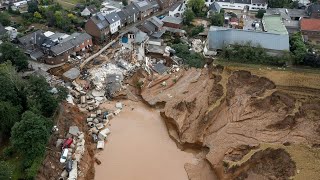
{"points": [[39, 97], [9, 52], [217, 19], [196, 5], [30, 135], [5, 170], [189, 58], [4, 19], [188, 16], [260, 13]]}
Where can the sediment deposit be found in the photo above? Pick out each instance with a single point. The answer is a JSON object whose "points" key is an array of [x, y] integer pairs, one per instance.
{"points": [[231, 114]]}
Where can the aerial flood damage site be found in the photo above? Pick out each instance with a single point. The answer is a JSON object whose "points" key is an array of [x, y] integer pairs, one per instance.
{"points": [[159, 90]]}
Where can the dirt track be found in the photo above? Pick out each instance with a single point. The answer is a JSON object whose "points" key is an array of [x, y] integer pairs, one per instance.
{"points": [[224, 110]]}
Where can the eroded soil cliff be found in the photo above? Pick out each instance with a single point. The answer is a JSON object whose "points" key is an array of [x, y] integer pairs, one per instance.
{"points": [[233, 115]]}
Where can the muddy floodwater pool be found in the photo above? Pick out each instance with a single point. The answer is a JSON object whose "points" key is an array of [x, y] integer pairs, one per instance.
{"points": [[139, 148]]}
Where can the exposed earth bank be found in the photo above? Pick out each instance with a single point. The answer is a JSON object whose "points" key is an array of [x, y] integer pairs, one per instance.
{"points": [[245, 126]]}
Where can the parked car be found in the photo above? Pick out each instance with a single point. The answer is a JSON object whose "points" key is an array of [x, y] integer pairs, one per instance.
{"points": [[67, 143], [69, 165], [64, 155]]}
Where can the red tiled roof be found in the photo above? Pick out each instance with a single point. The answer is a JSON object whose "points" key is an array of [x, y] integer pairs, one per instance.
{"points": [[310, 24]]}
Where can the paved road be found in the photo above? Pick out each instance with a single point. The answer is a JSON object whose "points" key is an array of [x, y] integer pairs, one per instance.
{"points": [[121, 33]]}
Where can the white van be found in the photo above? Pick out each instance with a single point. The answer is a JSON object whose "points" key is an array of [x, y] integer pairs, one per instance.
{"points": [[64, 155]]}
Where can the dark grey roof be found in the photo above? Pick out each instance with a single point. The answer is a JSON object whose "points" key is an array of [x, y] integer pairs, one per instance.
{"points": [[149, 27], [158, 34], [36, 54], [35, 38], [175, 6], [112, 17], [215, 7], [259, 1], [92, 9], [100, 21], [123, 15], [174, 20], [236, 1], [70, 42], [156, 21], [160, 68], [2, 29], [143, 5], [140, 37], [131, 9], [113, 84], [314, 8], [154, 4]]}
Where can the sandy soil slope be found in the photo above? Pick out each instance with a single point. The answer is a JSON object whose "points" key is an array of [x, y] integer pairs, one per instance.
{"points": [[232, 114]]}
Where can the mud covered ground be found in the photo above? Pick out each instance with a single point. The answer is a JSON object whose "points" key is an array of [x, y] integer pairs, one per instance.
{"points": [[51, 168], [250, 128]]}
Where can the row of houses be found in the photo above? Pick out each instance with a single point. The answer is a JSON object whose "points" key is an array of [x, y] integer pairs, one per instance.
{"points": [[102, 26], [54, 48]]}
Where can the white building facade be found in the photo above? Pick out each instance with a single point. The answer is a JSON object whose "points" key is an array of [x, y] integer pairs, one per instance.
{"points": [[251, 5]]}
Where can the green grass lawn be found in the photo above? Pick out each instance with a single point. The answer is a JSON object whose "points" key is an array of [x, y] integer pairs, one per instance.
{"points": [[69, 4]]}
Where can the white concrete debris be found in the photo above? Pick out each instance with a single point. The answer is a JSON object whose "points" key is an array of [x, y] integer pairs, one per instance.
{"points": [[116, 112], [119, 105], [100, 145], [69, 99], [103, 134], [197, 45], [73, 174], [99, 75], [96, 93]]}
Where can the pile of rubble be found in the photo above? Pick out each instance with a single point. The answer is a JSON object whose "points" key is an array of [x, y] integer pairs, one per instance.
{"points": [[75, 146], [98, 124], [197, 45]]}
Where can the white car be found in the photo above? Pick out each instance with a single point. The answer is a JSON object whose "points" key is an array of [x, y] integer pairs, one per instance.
{"points": [[64, 155]]}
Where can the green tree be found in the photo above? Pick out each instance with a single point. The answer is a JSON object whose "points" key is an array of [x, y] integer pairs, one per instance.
{"points": [[279, 3], [37, 15], [5, 170], [192, 59], [217, 19], [9, 115], [196, 30], [188, 16], [4, 19], [30, 136], [125, 2], [196, 5], [11, 84], [260, 13], [298, 48], [9, 52], [33, 7], [40, 100], [62, 93], [62, 20]]}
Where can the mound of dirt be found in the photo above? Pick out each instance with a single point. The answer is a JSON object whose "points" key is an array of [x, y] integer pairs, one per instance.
{"points": [[224, 110]]}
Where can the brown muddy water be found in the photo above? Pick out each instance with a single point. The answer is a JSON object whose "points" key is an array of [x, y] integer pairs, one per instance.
{"points": [[139, 148]]}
